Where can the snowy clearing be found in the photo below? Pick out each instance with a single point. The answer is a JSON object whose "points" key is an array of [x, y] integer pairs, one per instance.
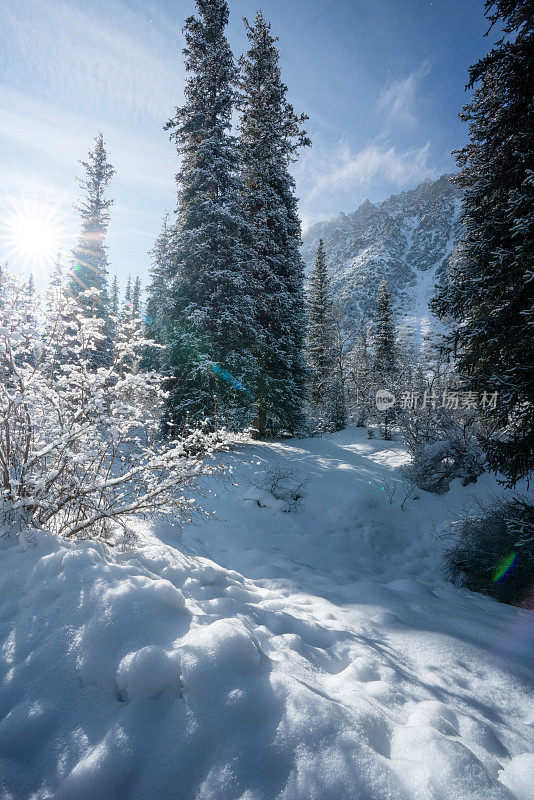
{"points": [[300, 649]]}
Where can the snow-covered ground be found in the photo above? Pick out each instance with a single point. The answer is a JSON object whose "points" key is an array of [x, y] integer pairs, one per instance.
{"points": [[314, 653]]}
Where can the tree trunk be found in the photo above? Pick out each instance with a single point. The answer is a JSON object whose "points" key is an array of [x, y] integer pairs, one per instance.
{"points": [[260, 422]]}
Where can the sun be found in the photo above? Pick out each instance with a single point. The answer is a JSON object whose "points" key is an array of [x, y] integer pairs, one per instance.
{"points": [[32, 235], [35, 237]]}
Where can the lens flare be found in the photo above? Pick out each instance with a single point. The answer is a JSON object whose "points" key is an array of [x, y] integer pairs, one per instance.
{"points": [[504, 567], [226, 376]]}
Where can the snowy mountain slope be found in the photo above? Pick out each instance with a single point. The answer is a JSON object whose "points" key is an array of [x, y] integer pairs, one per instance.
{"points": [[314, 654], [407, 240]]}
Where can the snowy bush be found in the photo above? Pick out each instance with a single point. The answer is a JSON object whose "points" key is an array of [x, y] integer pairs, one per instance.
{"points": [[281, 483], [79, 444], [442, 447], [436, 464], [493, 552]]}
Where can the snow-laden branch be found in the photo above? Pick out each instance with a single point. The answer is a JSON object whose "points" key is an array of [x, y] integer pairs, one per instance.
{"points": [[80, 442]]}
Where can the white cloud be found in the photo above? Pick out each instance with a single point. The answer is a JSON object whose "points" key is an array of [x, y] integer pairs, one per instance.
{"points": [[348, 170], [341, 177], [399, 102]]}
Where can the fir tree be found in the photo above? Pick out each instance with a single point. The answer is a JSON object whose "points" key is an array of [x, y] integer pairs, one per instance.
{"points": [[490, 291], [55, 292], [337, 407], [270, 135], [30, 287], [127, 301], [114, 297], [320, 348], [56, 276], [211, 319], [385, 355], [90, 261], [361, 376], [136, 297], [325, 384], [56, 315], [159, 308], [29, 301]]}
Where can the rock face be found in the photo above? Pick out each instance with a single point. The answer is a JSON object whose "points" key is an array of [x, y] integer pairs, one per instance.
{"points": [[406, 240]]}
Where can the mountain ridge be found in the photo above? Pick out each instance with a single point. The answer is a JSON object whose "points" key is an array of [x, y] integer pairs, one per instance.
{"points": [[407, 240]]}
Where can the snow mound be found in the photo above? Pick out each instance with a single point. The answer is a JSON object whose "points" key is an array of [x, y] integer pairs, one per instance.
{"points": [[265, 499], [148, 672], [518, 776]]}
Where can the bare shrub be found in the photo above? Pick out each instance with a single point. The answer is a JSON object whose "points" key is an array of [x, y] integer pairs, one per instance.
{"points": [[282, 483]]}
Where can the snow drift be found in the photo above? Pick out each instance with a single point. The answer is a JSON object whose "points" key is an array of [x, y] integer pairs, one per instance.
{"points": [[334, 664]]}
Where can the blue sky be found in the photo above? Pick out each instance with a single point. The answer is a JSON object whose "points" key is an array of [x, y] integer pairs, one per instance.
{"points": [[381, 80]]}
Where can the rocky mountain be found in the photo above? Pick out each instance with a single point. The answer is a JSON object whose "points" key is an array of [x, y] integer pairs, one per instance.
{"points": [[406, 240]]}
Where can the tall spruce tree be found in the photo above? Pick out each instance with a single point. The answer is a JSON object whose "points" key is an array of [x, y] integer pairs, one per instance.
{"points": [[136, 297], [114, 297], [327, 406], [361, 377], [56, 276], [210, 362], [56, 297], [270, 135], [127, 302], [30, 301], [385, 360], [55, 291], [490, 292], [89, 259], [320, 346], [159, 307], [30, 287], [385, 357]]}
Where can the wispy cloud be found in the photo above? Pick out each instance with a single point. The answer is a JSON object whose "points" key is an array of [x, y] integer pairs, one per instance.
{"points": [[331, 178], [98, 54], [36, 127], [349, 171], [399, 102]]}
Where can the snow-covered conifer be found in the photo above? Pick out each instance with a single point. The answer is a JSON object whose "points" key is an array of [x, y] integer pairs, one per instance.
{"points": [[385, 359], [211, 317], [114, 297], [327, 406], [489, 296], [270, 135], [320, 345], [136, 297], [89, 259], [127, 300], [89, 270], [360, 369], [159, 306], [30, 286]]}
